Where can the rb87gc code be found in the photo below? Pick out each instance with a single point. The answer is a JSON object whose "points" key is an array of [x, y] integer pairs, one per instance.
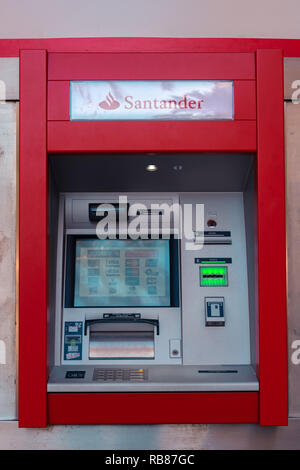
{"points": [[171, 459]]}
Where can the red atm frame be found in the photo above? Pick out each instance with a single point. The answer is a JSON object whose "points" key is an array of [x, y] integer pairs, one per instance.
{"points": [[46, 67]]}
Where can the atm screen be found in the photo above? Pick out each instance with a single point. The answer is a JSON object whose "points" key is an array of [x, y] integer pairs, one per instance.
{"points": [[122, 273]]}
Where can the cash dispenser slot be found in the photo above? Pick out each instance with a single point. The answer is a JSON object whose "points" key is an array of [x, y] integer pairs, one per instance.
{"points": [[134, 339], [112, 318], [121, 344]]}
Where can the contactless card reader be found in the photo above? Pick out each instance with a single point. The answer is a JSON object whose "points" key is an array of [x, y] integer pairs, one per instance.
{"points": [[214, 311]]}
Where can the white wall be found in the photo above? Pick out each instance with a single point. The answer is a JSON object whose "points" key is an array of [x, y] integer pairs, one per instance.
{"points": [[161, 18]]}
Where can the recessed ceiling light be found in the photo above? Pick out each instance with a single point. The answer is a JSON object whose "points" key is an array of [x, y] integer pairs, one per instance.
{"points": [[151, 167], [177, 167]]}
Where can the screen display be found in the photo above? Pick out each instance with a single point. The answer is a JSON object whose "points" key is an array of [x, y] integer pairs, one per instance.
{"points": [[213, 276], [122, 273]]}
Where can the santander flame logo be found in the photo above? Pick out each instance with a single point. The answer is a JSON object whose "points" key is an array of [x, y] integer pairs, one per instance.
{"points": [[109, 103]]}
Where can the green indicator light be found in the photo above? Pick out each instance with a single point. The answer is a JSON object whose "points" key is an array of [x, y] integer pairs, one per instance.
{"points": [[214, 276]]}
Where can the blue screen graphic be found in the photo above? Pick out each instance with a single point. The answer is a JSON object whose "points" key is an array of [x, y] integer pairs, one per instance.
{"points": [[122, 273]]}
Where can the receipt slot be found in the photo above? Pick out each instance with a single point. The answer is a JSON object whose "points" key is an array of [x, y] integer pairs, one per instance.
{"points": [[147, 245]]}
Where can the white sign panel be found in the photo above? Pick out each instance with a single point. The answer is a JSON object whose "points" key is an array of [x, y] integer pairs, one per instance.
{"points": [[151, 100]]}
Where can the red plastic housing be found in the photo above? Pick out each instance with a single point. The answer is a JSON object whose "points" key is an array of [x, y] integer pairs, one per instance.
{"points": [[45, 128]]}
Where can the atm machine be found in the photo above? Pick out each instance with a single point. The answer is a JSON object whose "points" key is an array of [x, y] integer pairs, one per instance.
{"points": [[163, 309], [183, 323]]}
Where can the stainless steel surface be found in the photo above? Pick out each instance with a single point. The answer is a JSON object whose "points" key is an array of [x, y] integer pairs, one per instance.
{"points": [[216, 345], [201, 345], [152, 437], [74, 211], [159, 378]]}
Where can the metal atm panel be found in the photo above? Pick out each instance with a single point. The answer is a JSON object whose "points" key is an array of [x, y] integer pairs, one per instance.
{"points": [[200, 342], [223, 251], [161, 347]]}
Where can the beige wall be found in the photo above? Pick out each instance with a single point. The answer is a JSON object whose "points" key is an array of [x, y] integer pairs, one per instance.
{"points": [[9, 79], [292, 135], [8, 116], [162, 18]]}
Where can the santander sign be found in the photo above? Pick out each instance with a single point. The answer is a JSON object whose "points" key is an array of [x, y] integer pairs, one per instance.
{"points": [[110, 103], [129, 103], [162, 100], [184, 103]]}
